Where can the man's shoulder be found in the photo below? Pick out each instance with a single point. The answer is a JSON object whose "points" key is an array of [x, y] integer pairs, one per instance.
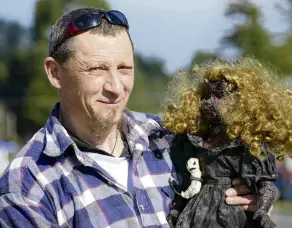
{"points": [[144, 117], [151, 123], [148, 121], [34, 146], [23, 165]]}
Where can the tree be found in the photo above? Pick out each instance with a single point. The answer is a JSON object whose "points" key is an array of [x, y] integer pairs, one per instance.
{"points": [[285, 9], [284, 51], [12, 36], [150, 81], [250, 37], [201, 57], [153, 67], [14, 66]]}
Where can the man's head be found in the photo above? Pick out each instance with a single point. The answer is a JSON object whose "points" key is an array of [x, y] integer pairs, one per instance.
{"points": [[93, 70]]}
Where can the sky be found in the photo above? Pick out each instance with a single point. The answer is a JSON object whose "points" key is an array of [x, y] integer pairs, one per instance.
{"points": [[169, 29]]}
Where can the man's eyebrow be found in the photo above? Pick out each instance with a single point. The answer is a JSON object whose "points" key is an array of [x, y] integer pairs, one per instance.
{"points": [[96, 61], [125, 63]]}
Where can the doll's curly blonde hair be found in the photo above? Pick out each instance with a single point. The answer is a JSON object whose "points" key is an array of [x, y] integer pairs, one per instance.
{"points": [[259, 111]]}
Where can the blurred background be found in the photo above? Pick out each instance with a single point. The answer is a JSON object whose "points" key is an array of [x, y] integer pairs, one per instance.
{"points": [[168, 36]]}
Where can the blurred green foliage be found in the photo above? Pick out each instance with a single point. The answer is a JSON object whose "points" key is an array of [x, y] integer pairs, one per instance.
{"points": [[249, 36]]}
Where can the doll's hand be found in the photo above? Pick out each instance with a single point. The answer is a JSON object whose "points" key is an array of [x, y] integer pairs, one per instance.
{"points": [[240, 195]]}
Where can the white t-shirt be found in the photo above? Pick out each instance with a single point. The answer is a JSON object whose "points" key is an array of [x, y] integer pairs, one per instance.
{"points": [[288, 164], [4, 158], [120, 169]]}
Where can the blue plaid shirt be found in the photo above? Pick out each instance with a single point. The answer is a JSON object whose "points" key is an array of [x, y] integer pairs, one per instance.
{"points": [[51, 183]]}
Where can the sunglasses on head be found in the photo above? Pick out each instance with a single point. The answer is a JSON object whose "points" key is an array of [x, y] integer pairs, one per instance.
{"points": [[90, 20]]}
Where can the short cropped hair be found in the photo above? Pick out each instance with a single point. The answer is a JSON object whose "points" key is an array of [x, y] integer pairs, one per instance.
{"points": [[62, 53]]}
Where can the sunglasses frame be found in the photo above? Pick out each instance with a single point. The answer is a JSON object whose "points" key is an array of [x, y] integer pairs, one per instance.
{"points": [[73, 30]]}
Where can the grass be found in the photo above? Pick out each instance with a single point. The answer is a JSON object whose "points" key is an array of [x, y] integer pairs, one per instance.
{"points": [[283, 206]]}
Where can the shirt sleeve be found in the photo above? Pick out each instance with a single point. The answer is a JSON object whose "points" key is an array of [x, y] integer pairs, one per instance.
{"points": [[23, 202], [19, 211]]}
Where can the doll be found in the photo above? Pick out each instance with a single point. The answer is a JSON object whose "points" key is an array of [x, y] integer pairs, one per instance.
{"points": [[234, 118]]}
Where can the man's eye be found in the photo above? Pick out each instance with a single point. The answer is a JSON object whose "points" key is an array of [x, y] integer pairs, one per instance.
{"points": [[95, 68], [125, 69]]}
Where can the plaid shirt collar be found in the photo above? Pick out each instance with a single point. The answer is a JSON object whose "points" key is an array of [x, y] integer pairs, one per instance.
{"points": [[56, 135]]}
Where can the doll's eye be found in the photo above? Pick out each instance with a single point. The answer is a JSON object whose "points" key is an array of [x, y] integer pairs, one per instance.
{"points": [[194, 162]]}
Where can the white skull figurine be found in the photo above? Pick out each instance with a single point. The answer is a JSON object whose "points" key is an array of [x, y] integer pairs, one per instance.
{"points": [[193, 167]]}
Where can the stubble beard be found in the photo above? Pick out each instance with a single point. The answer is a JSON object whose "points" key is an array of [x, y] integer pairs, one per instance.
{"points": [[100, 126]]}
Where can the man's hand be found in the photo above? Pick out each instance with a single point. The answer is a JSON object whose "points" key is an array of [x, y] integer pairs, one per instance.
{"points": [[240, 195]]}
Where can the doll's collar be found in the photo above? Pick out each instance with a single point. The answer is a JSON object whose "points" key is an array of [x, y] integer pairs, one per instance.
{"points": [[198, 141]]}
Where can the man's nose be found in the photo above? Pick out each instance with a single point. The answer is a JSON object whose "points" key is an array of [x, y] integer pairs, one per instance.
{"points": [[113, 83]]}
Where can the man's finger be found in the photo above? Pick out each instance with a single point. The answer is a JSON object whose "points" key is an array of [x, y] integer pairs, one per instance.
{"points": [[270, 211], [242, 200], [253, 208], [238, 191], [250, 208]]}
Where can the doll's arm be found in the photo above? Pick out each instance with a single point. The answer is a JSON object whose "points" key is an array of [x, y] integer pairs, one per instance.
{"points": [[267, 194], [260, 175], [196, 182], [193, 168], [194, 188]]}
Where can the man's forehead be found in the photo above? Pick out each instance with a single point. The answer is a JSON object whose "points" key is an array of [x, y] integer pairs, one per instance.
{"points": [[100, 39], [97, 44]]}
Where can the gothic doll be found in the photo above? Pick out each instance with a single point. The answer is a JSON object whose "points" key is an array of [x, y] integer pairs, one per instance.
{"points": [[234, 118]]}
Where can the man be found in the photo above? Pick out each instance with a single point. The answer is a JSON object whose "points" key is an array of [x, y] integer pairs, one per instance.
{"points": [[94, 164]]}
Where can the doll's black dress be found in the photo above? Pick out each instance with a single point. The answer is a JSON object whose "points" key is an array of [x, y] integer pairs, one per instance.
{"points": [[219, 167]]}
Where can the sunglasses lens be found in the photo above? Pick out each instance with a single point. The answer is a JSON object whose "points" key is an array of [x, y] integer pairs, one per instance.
{"points": [[87, 21], [117, 18]]}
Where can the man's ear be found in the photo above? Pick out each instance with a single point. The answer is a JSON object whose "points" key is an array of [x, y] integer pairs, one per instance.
{"points": [[53, 70]]}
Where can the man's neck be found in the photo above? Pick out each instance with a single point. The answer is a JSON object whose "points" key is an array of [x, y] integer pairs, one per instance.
{"points": [[109, 140]]}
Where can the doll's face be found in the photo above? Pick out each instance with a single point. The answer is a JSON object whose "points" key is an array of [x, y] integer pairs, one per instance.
{"points": [[214, 90]]}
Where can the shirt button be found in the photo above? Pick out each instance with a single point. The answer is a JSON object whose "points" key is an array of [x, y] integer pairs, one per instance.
{"points": [[158, 154], [141, 207], [160, 134]]}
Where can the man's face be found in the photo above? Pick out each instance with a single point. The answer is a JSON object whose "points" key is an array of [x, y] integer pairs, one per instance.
{"points": [[98, 79]]}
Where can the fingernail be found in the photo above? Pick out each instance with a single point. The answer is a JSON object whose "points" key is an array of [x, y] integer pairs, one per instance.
{"points": [[230, 192]]}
